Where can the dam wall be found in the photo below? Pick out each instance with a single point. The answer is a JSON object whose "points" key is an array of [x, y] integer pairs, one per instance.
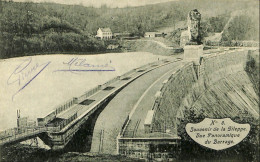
{"points": [[223, 85], [172, 93]]}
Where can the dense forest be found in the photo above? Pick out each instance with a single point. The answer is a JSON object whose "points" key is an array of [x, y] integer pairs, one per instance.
{"points": [[30, 28], [243, 25]]}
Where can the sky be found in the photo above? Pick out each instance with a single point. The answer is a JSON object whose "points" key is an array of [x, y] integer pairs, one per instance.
{"points": [[98, 3]]}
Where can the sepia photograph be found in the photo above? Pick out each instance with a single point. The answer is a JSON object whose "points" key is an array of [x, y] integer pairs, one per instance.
{"points": [[129, 80]]}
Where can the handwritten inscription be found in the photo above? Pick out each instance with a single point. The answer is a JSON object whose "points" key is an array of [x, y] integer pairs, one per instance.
{"points": [[81, 65], [217, 134], [25, 73]]}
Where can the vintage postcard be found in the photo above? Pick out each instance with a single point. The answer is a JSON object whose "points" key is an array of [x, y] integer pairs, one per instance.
{"points": [[129, 80]]}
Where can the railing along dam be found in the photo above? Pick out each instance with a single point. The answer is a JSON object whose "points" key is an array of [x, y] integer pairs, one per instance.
{"points": [[59, 126], [230, 77]]}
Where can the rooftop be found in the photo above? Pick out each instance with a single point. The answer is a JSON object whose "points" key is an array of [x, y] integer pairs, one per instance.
{"points": [[105, 30]]}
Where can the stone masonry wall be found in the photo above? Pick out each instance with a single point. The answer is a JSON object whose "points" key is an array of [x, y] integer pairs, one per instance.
{"points": [[223, 89]]}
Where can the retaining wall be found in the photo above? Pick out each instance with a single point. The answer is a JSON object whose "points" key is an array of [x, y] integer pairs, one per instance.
{"points": [[221, 88]]}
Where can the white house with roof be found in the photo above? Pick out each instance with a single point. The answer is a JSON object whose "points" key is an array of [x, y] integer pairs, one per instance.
{"points": [[104, 33]]}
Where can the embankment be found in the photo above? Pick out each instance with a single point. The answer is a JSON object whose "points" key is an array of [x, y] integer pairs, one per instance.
{"points": [[149, 46], [224, 85]]}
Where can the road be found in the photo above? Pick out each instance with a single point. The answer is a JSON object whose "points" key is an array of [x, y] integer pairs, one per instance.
{"points": [[138, 95], [159, 43]]}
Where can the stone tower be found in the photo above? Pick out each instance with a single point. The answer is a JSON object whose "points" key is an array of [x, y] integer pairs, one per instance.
{"points": [[193, 19], [193, 48]]}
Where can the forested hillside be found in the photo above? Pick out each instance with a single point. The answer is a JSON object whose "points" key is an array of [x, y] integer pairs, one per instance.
{"points": [[242, 25], [36, 28], [31, 28]]}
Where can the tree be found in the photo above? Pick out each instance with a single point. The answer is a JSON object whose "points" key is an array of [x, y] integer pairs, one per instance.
{"points": [[241, 28]]}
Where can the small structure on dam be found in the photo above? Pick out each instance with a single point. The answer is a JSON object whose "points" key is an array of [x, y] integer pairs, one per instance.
{"points": [[145, 141], [139, 139], [193, 47], [221, 77]]}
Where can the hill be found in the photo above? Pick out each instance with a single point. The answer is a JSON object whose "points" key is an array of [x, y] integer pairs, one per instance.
{"points": [[31, 28]]}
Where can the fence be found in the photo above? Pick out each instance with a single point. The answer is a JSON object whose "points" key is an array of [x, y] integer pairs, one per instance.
{"points": [[233, 43], [128, 119], [65, 106], [89, 93], [58, 109], [124, 125], [127, 74], [19, 133], [67, 121], [160, 133], [24, 132], [110, 81], [163, 90]]}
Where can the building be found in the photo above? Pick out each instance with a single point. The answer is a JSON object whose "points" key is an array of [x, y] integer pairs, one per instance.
{"points": [[153, 34], [149, 34], [160, 34], [104, 33]]}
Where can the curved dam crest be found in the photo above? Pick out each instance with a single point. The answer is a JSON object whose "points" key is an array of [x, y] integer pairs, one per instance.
{"points": [[223, 85]]}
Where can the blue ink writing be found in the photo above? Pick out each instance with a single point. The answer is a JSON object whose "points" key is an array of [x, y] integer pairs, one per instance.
{"points": [[80, 65], [25, 73]]}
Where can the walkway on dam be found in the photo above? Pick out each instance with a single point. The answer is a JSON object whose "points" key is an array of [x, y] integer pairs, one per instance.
{"points": [[138, 96], [86, 104], [135, 128]]}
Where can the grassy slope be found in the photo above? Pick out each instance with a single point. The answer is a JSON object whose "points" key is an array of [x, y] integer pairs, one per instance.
{"points": [[146, 46]]}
